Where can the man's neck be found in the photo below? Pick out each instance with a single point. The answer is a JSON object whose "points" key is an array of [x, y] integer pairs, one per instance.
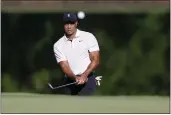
{"points": [[72, 36]]}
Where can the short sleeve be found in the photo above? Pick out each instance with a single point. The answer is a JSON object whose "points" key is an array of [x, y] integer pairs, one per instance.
{"points": [[59, 54], [92, 43]]}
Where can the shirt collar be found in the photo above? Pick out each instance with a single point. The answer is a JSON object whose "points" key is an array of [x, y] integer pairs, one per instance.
{"points": [[76, 36]]}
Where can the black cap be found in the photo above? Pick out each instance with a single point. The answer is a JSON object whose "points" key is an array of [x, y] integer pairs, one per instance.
{"points": [[70, 17]]}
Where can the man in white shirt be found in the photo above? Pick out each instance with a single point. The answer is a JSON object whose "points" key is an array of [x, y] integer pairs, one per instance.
{"points": [[77, 53]]}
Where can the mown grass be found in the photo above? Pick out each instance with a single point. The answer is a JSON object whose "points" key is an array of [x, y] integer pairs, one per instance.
{"points": [[35, 103]]}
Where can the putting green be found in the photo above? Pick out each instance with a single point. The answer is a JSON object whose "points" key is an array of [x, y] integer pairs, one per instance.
{"points": [[35, 103]]}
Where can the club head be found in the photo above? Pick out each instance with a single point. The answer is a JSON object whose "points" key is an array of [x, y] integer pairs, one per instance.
{"points": [[50, 85]]}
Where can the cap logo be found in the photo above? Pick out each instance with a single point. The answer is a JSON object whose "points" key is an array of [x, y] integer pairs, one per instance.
{"points": [[68, 15]]}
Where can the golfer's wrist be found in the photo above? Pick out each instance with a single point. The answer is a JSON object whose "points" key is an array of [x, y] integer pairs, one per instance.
{"points": [[74, 77], [85, 74]]}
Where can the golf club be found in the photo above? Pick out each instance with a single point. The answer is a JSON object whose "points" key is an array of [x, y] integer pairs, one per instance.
{"points": [[61, 85]]}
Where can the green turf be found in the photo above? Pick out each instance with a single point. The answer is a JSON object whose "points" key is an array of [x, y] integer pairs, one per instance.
{"points": [[35, 103]]}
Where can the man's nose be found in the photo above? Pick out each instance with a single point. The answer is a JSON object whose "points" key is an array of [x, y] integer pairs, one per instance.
{"points": [[69, 25]]}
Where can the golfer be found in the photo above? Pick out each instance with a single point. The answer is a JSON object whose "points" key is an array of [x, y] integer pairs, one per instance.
{"points": [[77, 53]]}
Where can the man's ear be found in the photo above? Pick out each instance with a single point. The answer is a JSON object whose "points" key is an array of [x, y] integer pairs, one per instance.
{"points": [[76, 24]]}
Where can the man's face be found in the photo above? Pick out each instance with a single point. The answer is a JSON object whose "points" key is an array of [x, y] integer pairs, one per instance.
{"points": [[70, 27]]}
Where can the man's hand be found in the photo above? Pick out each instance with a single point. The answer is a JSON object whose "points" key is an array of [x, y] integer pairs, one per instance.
{"points": [[82, 79]]}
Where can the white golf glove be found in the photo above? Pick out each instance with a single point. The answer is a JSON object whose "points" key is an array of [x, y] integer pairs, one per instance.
{"points": [[98, 78]]}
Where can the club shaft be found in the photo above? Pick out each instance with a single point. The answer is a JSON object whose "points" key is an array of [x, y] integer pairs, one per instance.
{"points": [[64, 85]]}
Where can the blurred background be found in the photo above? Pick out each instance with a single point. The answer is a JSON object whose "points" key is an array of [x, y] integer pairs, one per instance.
{"points": [[133, 37]]}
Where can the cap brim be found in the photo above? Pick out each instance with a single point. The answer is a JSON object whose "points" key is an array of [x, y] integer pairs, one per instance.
{"points": [[69, 20]]}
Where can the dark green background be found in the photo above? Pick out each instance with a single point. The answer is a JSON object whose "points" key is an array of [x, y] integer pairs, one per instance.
{"points": [[134, 60]]}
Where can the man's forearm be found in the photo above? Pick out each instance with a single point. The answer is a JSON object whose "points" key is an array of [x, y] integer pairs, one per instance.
{"points": [[94, 57], [67, 70], [69, 73], [92, 66]]}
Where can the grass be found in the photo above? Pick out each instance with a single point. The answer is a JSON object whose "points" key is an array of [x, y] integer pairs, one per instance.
{"points": [[36, 103]]}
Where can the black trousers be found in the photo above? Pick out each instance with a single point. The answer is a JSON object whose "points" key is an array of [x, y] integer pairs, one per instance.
{"points": [[86, 89]]}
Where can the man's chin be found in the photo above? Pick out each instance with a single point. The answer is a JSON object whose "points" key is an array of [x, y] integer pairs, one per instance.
{"points": [[69, 33]]}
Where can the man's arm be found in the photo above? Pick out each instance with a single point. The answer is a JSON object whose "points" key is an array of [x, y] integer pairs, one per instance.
{"points": [[67, 70], [93, 49], [62, 61], [93, 54], [94, 57]]}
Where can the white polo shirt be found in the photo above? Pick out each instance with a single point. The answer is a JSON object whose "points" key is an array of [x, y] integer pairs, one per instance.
{"points": [[76, 52]]}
